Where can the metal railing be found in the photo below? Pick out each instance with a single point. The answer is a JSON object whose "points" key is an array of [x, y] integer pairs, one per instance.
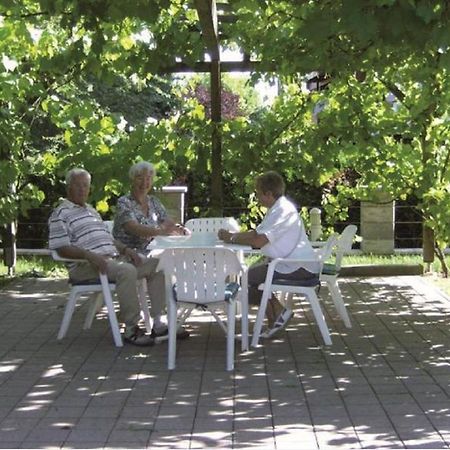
{"points": [[32, 232]]}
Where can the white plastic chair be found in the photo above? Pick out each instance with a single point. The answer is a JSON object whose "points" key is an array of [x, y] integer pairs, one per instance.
{"points": [[212, 224], [104, 290], [198, 277], [330, 272], [306, 288]]}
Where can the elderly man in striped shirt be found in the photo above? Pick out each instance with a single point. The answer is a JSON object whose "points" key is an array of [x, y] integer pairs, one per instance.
{"points": [[77, 231]]}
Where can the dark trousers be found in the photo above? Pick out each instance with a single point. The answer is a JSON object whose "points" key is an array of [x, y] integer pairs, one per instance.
{"points": [[257, 275]]}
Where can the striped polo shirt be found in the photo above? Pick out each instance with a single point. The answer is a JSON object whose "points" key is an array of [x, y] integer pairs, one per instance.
{"points": [[79, 226]]}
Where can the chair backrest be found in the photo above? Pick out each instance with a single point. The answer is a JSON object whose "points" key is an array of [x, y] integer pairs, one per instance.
{"points": [[212, 224], [344, 244], [200, 275], [326, 251]]}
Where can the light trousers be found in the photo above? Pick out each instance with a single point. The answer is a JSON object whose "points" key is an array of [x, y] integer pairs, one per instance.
{"points": [[125, 275]]}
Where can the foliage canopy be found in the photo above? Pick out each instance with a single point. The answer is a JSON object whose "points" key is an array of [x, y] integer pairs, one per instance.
{"points": [[384, 114]]}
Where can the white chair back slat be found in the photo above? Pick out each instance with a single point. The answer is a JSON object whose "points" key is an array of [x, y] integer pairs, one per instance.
{"points": [[212, 224], [326, 251], [198, 276], [344, 244]]}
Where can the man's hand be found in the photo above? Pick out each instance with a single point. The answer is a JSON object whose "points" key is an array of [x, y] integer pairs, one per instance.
{"points": [[99, 261], [133, 256], [224, 235]]}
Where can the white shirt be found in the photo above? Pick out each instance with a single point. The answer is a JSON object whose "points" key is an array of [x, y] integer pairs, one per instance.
{"points": [[286, 233]]}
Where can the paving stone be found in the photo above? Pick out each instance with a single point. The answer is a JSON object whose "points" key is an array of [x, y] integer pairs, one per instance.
{"points": [[382, 384]]}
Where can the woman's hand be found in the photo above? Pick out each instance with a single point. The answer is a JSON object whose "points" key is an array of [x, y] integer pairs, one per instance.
{"points": [[133, 256], [177, 229]]}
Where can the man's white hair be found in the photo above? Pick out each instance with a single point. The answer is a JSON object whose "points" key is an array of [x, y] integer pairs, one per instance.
{"points": [[141, 166], [75, 172]]}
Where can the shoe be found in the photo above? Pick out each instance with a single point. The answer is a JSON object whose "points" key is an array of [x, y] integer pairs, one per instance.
{"points": [[136, 336], [281, 322], [162, 334]]}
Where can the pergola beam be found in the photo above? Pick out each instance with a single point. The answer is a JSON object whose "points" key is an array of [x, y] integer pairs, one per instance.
{"points": [[225, 66]]}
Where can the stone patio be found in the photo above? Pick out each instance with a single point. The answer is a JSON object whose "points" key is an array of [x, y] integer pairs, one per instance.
{"points": [[385, 383]]}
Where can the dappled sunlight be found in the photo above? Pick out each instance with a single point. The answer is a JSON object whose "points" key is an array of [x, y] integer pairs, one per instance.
{"points": [[382, 382]]}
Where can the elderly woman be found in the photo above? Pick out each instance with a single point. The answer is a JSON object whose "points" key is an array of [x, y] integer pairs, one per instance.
{"points": [[139, 218]]}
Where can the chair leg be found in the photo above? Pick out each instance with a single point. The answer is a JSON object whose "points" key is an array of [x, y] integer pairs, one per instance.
{"points": [[339, 302], [320, 318], [142, 293], [172, 325], [95, 306], [231, 328], [218, 319], [243, 297], [111, 312], [289, 300], [185, 313], [68, 312], [260, 317]]}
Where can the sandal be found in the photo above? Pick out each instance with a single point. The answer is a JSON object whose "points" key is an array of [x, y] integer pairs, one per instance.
{"points": [[281, 322], [137, 336], [163, 335]]}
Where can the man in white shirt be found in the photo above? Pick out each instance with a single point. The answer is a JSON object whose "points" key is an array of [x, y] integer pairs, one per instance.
{"points": [[281, 234]]}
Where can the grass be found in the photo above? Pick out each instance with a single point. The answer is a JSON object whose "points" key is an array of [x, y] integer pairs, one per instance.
{"points": [[435, 277], [44, 266], [35, 267], [350, 260]]}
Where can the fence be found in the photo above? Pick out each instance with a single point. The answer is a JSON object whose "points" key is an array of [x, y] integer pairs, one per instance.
{"points": [[33, 231]]}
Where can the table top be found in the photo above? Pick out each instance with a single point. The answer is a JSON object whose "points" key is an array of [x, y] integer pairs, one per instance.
{"points": [[195, 240]]}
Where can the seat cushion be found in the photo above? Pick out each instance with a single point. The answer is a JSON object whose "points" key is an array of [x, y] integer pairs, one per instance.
{"points": [[329, 269], [84, 282], [231, 291], [304, 283]]}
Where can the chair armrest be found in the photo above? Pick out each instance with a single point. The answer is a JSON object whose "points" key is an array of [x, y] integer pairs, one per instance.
{"points": [[56, 257]]}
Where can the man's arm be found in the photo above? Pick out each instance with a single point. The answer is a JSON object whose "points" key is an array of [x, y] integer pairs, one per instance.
{"points": [[72, 252], [251, 238]]}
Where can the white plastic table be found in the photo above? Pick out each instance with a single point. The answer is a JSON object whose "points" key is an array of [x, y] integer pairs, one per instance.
{"points": [[200, 240]]}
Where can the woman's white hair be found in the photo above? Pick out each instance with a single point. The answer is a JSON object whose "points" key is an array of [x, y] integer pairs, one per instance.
{"points": [[141, 166], [75, 172]]}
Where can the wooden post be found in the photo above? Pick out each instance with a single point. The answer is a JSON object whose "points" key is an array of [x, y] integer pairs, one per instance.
{"points": [[216, 150]]}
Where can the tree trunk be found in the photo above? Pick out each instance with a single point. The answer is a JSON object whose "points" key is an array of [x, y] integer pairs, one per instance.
{"points": [[216, 138], [427, 246], [9, 247]]}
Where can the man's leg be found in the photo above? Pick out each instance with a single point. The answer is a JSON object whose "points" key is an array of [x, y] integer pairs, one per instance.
{"points": [[257, 275], [125, 277], [124, 274]]}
